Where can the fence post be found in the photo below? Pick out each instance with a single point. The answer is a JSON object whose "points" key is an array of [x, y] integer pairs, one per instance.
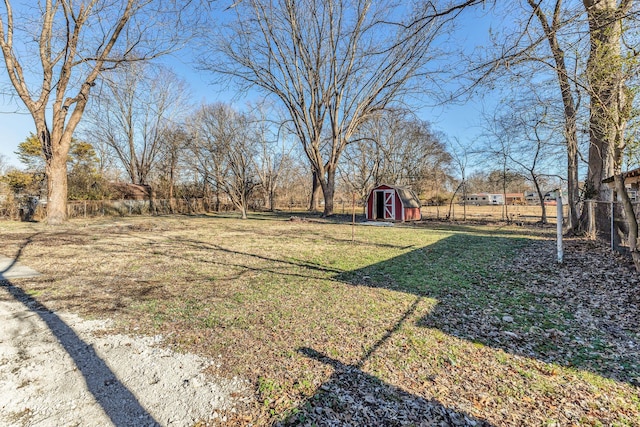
{"points": [[353, 218], [591, 211], [559, 226], [612, 212]]}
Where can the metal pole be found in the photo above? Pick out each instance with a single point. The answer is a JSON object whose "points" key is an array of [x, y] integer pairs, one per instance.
{"points": [[353, 218], [612, 229], [559, 226]]}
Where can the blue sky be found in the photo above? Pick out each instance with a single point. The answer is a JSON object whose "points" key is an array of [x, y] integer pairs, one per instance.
{"points": [[461, 121]]}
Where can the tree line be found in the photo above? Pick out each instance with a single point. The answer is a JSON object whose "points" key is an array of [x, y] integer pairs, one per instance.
{"points": [[238, 159], [331, 65]]}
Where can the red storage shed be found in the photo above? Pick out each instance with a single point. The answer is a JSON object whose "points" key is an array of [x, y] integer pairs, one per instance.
{"points": [[393, 203]]}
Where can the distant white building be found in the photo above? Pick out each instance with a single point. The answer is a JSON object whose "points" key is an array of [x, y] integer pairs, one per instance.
{"points": [[496, 199], [532, 198], [481, 199]]}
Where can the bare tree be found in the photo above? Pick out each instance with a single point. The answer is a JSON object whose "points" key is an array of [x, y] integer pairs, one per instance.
{"points": [[544, 43], [499, 145], [461, 155], [394, 147], [331, 63], [413, 154], [223, 145], [172, 151], [607, 71], [273, 155], [206, 147], [551, 27], [611, 106], [137, 106], [360, 166], [242, 180], [294, 182], [530, 136], [75, 42]]}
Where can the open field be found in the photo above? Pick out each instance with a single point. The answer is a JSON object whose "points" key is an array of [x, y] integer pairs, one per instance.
{"points": [[516, 213], [463, 325]]}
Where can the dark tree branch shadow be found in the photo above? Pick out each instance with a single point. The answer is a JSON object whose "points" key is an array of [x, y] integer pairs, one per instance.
{"points": [[541, 306], [353, 397]]}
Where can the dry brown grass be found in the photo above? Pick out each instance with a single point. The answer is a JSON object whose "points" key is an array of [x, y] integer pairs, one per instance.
{"points": [[284, 303], [516, 213]]}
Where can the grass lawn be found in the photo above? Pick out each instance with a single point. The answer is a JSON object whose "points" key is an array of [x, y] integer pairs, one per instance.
{"points": [[469, 321]]}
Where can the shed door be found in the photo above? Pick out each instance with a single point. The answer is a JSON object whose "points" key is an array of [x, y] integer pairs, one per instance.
{"points": [[378, 206], [389, 204]]}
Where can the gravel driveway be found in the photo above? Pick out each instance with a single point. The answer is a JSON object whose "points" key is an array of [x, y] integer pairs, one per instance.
{"points": [[56, 370]]}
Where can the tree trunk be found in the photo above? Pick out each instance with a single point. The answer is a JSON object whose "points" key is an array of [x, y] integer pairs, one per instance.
{"points": [[631, 220], [570, 114], [315, 192], [217, 207], [172, 207], [328, 190], [272, 200], [453, 199], [573, 190], [265, 198], [172, 200], [56, 171], [543, 216], [56, 150], [604, 70], [464, 199], [243, 203], [153, 208], [625, 103]]}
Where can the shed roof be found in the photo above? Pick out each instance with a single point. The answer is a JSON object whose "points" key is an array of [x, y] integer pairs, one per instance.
{"points": [[629, 174], [409, 198], [132, 191]]}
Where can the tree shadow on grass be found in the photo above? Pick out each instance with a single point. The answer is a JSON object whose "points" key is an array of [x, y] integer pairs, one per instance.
{"points": [[535, 309], [353, 397], [115, 399]]}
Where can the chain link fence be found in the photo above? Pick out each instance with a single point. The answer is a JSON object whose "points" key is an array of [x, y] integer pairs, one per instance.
{"points": [[613, 222], [492, 213]]}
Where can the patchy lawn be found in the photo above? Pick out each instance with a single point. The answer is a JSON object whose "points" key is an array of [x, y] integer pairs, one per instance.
{"points": [[463, 325]]}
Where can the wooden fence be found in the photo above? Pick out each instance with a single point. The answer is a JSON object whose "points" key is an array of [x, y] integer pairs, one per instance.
{"points": [[192, 206], [98, 208]]}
